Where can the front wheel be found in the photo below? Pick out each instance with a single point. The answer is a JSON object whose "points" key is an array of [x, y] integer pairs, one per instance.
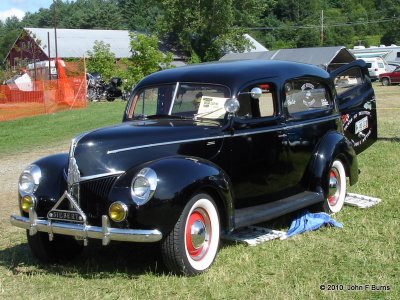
{"points": [[61, 248], [192, 245], [385, 81], [336, 188]]}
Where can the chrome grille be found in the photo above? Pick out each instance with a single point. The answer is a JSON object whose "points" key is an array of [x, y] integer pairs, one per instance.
{"points": [[93, 197]]}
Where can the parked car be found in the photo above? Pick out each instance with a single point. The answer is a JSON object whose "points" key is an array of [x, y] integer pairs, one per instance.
{"points": [[393, 65], [376, 66], [202, 151], [390, 77]]}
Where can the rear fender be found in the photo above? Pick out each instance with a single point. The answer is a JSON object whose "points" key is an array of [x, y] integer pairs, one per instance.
{"points": [[331, 147]]}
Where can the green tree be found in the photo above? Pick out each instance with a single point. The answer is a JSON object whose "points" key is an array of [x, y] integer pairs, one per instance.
{"points": [[101, 60], [146, 58], [9, 31], [391, 10], [83, 14], [140, 15], [209, 27]]}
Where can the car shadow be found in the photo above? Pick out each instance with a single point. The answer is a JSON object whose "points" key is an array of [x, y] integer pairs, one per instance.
{"points": [[96, 261], [389, 139]]}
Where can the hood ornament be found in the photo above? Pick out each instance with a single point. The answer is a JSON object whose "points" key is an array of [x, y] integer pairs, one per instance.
{"points": [[73, 173]]}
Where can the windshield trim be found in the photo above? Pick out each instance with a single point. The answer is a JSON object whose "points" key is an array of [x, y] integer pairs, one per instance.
{"points": [[173, 98]]}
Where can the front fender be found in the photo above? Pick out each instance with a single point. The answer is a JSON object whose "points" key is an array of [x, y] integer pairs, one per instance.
{"points": [[332, 146], [179, 178], [52, 183]]}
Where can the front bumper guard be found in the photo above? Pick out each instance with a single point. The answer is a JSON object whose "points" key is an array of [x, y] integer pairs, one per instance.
{"points": [[84, 231]]}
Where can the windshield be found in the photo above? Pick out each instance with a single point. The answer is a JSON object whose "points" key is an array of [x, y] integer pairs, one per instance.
{"points": [[184, 100]]}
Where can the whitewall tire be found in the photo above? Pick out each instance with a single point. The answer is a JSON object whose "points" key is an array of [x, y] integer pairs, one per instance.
{"points": [[192, 245]]}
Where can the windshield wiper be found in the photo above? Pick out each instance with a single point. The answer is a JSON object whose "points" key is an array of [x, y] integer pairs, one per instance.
{"points": [[140, 116]]}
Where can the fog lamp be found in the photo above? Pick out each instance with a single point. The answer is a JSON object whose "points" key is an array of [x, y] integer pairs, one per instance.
{"points": [[27, 202], [118, 211]]}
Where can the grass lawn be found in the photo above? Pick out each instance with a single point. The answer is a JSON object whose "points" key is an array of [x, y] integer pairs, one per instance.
{"points": [[364, 255], [17, 135]]}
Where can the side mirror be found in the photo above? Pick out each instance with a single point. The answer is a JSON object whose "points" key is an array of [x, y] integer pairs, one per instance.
{"points": [[232, 105]]}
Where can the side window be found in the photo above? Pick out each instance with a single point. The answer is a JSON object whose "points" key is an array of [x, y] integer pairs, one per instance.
{"points": [[257, 108], [348, 80], [306, 95]]}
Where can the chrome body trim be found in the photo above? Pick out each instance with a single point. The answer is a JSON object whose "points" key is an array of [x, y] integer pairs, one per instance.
{"points": [[91, 177], [279, 127], [173, 98], [163, 144], [104, 233]]}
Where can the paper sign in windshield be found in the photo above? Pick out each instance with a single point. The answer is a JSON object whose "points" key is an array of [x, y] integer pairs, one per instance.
{"points": [[211, 107]]}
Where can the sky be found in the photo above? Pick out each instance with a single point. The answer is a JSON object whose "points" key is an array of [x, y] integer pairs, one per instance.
{"points": [[18, 8]]}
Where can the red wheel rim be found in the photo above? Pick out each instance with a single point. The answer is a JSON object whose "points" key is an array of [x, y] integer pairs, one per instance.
{"points": [[198, 241]]}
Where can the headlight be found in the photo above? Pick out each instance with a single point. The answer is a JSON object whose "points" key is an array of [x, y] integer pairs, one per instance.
{"points": [[29, 180], [143, 186]]}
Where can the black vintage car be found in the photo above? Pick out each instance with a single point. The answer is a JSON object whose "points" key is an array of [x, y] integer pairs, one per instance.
{"points": [[203, 150]]}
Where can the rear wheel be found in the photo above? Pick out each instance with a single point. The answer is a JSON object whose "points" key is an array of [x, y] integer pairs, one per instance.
{"points": [[385, 81], [61, 248], [336, 188], [192, 245]]}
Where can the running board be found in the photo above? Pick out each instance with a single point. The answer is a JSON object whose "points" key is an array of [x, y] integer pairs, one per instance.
{"points": [[265, 212]]}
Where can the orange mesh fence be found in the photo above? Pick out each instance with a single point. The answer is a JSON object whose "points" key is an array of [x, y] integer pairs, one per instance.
{"points": [[45, 96]]}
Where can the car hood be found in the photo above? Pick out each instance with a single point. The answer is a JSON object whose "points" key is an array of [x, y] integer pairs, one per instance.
{"points": [[116, 149]]}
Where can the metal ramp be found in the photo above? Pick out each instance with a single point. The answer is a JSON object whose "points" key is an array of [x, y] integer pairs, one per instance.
{"points": [[255, 235], [360, 201]]}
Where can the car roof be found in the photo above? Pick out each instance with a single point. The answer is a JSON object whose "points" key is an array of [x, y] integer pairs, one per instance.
{"points": [[234, 73]]}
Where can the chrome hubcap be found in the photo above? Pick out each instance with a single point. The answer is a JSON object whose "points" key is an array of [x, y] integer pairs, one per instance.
{"points": [[334, 187], [197, 234]]}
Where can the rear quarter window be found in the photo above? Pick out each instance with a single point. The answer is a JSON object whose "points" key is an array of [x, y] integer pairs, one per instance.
{"points": [[306, 96]]}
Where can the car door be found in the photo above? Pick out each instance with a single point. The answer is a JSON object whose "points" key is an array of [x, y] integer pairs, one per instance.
{"points": [[357, 104], [395, 76], [310, 113], [257, 144]]}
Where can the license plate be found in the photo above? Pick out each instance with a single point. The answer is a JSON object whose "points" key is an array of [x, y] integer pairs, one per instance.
{"points": [[361, 125], [65, 215]]}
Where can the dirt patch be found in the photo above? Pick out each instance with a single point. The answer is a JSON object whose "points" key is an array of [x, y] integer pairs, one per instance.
{"points": [[11, 167]]}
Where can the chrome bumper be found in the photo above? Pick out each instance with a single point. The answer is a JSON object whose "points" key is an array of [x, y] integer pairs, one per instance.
{"points": [[83, 231]]}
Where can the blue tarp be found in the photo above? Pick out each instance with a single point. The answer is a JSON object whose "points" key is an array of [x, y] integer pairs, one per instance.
{"points": [[307, 221]]}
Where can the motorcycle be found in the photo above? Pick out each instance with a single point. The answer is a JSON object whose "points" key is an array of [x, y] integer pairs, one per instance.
{"points": [[97, 89]]}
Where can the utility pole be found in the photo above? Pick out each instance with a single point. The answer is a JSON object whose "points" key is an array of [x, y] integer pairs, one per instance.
{"points": [[322, 28], [55, 34], [48, 51]]}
